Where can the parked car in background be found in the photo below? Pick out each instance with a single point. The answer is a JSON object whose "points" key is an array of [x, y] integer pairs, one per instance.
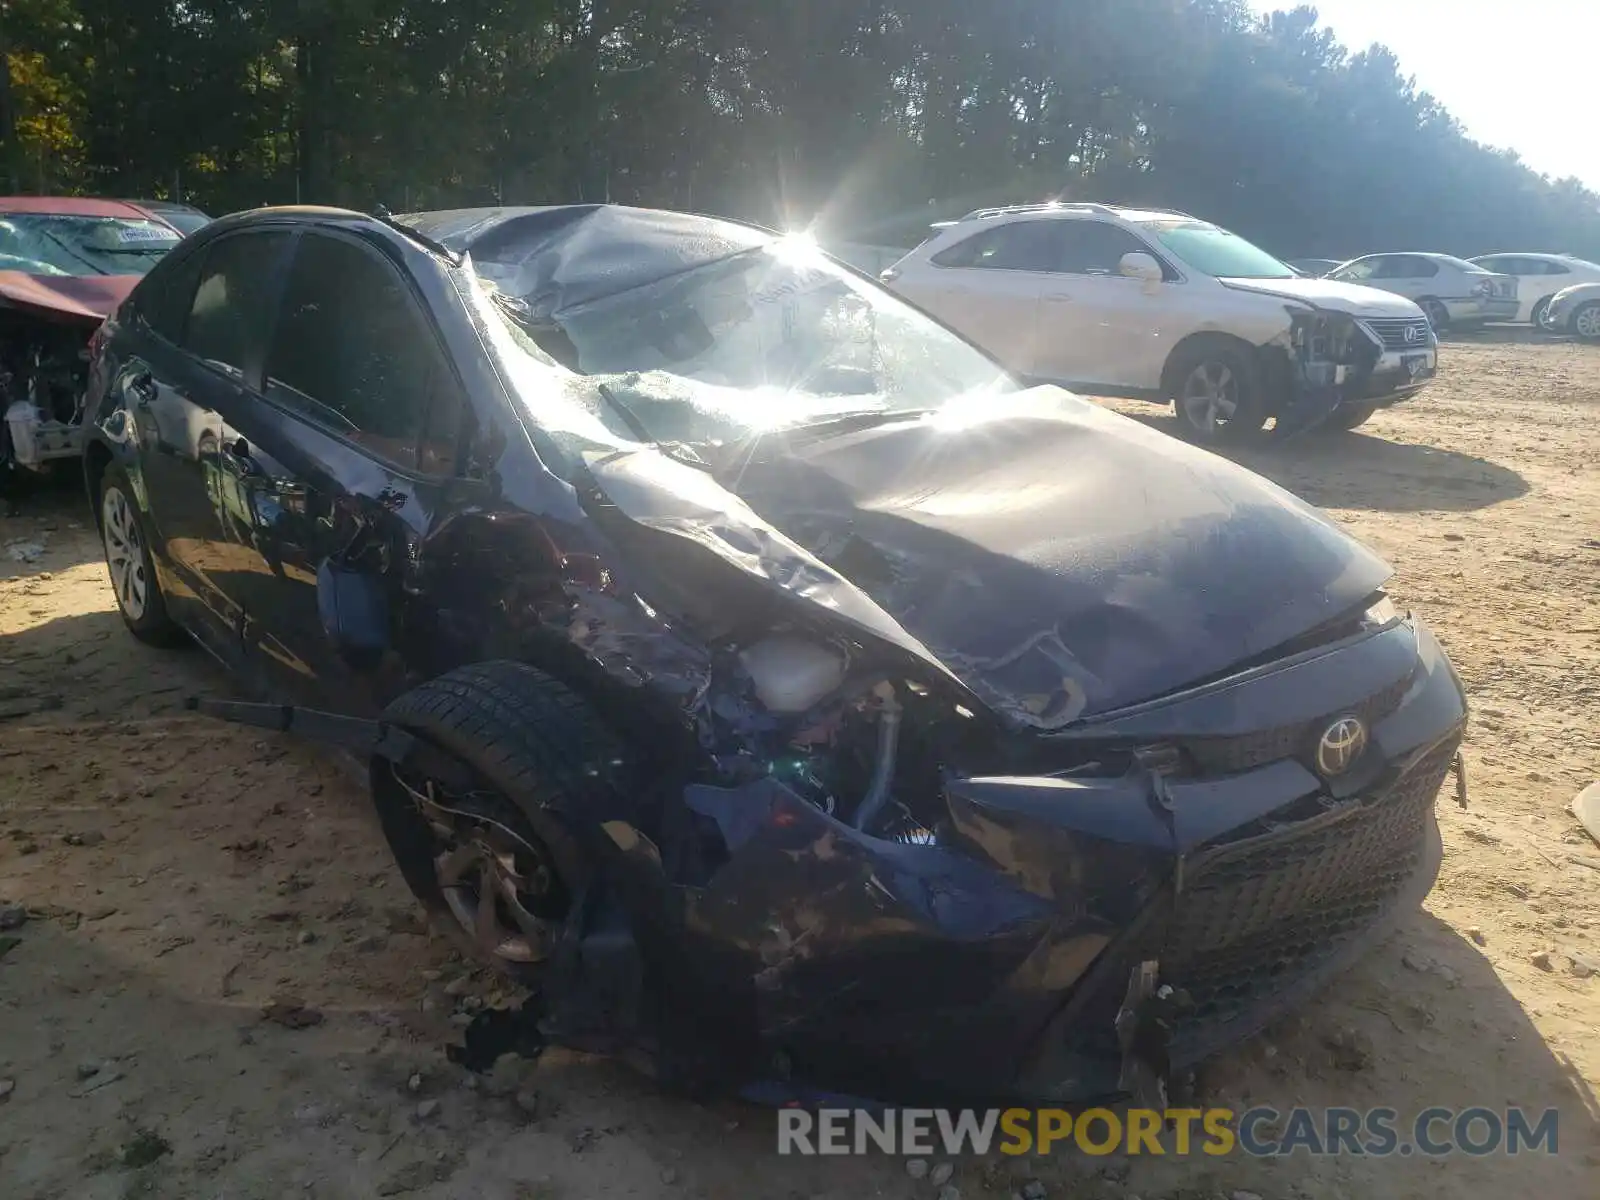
{"points": [[1452, 291], [1316, 268], [1574, 310], [185, 218], [1163, 306], [64, 264], [721, 633], [1539, 277]]}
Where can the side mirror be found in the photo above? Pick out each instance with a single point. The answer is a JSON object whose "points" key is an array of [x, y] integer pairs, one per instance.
{"points": [[1140, 266]]}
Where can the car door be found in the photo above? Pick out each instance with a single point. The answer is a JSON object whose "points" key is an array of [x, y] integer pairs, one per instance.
{"points": [[198, 338], [987, 288], [1412, 276], [335, 466], [1538, 279], [1098, 327]]}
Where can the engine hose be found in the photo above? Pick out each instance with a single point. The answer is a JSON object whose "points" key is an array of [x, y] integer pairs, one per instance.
{"points": [[883, 772]]}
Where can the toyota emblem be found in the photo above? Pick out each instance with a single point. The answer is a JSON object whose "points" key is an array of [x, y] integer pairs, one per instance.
{"points": [[1341, 744]]}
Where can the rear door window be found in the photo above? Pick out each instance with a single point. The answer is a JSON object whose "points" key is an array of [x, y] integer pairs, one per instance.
{"points": [[1015, 246], [228, 317], [353, 352]]}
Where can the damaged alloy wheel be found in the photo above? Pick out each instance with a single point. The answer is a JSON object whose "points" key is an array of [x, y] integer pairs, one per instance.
{"points": [[497, 881], [497, 865]]}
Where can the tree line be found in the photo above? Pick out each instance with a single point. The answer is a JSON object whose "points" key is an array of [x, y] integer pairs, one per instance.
{"points": [[867, 117]]}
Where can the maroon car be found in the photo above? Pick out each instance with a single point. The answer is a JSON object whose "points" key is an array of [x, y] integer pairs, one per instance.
{"points": [[65, 264]]}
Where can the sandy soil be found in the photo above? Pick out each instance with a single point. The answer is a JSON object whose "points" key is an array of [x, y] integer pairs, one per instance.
{"points": [[178, 875]]}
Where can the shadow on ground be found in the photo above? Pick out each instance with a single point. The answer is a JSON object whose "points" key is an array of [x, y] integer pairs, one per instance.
{"points": [[46, 525], [87, 666], [1366, 471]]}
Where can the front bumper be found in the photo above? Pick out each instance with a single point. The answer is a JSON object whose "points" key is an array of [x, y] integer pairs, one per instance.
{"points": [[36, 440], [990, 963], [1397, 376], [1475, 308]]}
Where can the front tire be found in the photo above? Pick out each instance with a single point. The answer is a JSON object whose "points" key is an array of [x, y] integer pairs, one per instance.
{"points": [[1585, 323], [498, 868], [1438, 315], [133, 576], [1349, 416], [1536, 317], [1216, 393]]}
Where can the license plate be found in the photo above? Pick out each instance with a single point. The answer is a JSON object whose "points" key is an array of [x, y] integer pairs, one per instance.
{"points": [[1418, 365]]}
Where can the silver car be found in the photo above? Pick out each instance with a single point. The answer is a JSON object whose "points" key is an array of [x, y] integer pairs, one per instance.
{"points": [[1452, 291], [1574, 310]]}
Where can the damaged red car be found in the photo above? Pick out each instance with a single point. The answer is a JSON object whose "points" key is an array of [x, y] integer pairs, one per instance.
{"points": [[64, 264], [742, 660]]}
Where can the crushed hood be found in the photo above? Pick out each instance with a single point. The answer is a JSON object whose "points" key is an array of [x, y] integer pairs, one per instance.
{"points": [[1058, 559], [87, 298], [1356, 299]]}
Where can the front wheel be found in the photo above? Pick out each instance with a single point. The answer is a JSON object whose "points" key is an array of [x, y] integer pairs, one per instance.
{"points": [[1349, 416], [1438, 315], [1217, 394], [1586, 322], [1537, 315], [498, 865]]}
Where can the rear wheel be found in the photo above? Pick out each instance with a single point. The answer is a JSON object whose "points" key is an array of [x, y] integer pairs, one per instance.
{"points": [[1216, 392], [1586, 321], [133, 576], [1438, 315], [497, 865]]}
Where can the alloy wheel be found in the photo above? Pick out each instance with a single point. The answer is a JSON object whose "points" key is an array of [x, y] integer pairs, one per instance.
{"points": [[499, 885], [124, 553], [1586, 321], [1210, 397]]}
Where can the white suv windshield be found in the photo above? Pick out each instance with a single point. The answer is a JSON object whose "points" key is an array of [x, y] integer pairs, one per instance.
{"points": [[1214, 251]]}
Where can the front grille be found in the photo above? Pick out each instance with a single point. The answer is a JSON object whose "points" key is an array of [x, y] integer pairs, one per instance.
{"points": [[1231, 755], [1392, 331], [1255, 916]]}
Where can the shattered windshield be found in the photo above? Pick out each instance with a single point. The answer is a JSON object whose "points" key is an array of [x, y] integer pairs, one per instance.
{"points": [[770, 338], [1214, 251], [55, 244]]}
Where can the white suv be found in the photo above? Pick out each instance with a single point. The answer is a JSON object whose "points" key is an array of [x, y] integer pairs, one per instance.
{"points": [[1162, 306]]}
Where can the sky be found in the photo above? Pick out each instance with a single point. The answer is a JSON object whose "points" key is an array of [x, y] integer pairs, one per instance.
{"points": [[1523, 74]]}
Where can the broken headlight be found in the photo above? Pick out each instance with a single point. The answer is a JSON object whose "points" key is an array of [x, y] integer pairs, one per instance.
{"points": [[1330, 337]]}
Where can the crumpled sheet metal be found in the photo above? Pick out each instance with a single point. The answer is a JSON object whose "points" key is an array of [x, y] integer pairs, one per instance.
{"points": [[557, 259]]}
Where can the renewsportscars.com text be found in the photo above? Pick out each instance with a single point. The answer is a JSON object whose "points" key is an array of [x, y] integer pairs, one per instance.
{"points": [[1261, 1132]]}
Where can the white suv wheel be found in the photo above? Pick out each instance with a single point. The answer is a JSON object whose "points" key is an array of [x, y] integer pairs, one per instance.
{"points": [[1209, 396]]}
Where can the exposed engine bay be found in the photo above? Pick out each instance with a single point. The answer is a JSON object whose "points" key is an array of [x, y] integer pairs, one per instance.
{"points": [[43, 374]]}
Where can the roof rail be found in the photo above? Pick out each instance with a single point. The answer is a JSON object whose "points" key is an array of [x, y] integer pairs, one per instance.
{"points": [[1053, 206], [1105, 209]]}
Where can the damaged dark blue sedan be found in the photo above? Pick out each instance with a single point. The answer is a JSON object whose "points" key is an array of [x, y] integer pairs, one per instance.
{"points": [[745, 662]]}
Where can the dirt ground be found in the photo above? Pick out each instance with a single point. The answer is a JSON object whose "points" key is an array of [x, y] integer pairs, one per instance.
{"points": [[179, 875]]}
